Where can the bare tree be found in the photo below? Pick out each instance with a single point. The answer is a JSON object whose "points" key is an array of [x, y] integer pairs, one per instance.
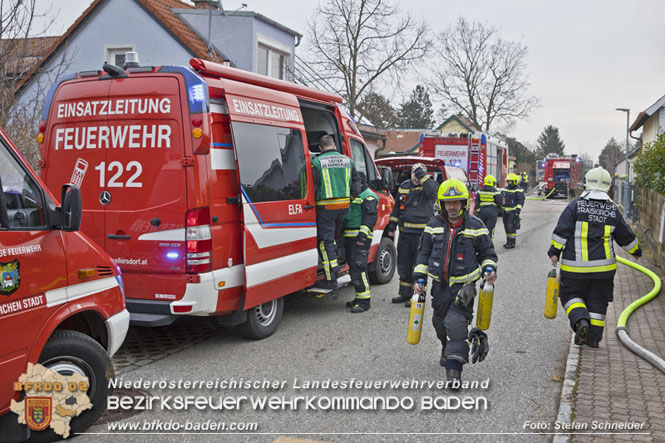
{"points": [[21, 48], [482, 75], [356, 43]]}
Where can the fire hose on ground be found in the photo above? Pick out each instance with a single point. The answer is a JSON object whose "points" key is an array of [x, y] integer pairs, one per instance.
{"points": [[541, 198], [621, 330]]}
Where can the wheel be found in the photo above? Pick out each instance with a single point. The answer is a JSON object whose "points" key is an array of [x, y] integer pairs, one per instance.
{"points": [[262, 320], [69, 352], [382, 269]]}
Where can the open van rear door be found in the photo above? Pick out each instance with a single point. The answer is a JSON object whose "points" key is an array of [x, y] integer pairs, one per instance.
{"points": [[277, 191]]}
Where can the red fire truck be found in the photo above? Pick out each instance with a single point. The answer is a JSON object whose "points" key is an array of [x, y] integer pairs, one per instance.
{"points": [[61, 299], [198, 182], [562, 176], [474, 153]]}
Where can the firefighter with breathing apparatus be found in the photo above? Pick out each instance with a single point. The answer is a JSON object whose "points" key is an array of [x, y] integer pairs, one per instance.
{"points": [[583, 239], [455, 250], [488, 203], [513, 200]]}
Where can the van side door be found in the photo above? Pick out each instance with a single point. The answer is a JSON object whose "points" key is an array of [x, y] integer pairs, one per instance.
{"points": [[276, 191], [32, 269]]}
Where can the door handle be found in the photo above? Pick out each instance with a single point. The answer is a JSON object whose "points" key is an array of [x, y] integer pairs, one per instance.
{"points": [[308, 207], [118, 237]]}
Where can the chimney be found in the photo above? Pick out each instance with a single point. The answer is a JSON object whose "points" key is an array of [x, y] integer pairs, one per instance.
{"points": [[205, 4]]}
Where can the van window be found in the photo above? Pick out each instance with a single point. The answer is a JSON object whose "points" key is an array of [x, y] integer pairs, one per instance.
{"points": [[271, 161], [22, 198], [361, 160]]}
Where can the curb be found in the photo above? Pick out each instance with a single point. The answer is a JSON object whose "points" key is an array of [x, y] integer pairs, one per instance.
{"points": [[569, 383]]}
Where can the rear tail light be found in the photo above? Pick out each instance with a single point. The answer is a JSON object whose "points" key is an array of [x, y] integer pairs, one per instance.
{"points": [[199, 241]]}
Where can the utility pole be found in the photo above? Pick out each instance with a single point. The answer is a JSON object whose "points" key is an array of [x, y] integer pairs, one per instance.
{"points": [[627, 189]]}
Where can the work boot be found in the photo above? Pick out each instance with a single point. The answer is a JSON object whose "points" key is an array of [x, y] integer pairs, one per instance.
{"points": [[326, 284], [360, 307], [509, 246], [454, 379], [592, 343], [352, 303], [581, 331], [401, 299]]}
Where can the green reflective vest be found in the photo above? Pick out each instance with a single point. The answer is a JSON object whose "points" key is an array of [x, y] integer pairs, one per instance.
{"points": [[335, 171], [354, 217]]}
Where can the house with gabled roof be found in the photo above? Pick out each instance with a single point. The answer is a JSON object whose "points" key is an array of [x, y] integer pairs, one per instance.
{"points": [[164, 32]]}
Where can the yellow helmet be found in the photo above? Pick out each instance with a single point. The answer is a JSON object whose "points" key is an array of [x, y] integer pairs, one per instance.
{"points": [[490, 180], [598, 178], [453, 190]]}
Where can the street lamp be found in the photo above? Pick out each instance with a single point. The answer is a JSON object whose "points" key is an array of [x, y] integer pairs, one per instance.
{"points": [[626, 193]]}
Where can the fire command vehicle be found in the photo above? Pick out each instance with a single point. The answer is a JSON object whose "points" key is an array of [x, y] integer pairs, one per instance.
{"points": [[198, 182], [474, 153], [61, 300]]}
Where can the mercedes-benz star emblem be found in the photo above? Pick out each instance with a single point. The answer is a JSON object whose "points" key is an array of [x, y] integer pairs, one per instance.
{"points": [[105, 198]]}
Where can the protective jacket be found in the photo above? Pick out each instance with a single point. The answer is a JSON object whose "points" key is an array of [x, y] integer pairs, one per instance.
{"points": [[361, 218], [488, 196], [513, 199], [585, 232], [335, 178], [455, 255], [415, 204]]}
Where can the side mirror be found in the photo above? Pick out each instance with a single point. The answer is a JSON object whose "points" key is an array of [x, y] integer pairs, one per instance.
{"points": [[70, 212], [386, 179]]}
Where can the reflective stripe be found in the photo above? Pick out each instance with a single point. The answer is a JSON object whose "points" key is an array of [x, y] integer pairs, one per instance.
{"points": [[405, 283], [424, 179], [589, 263], [333, 263], [403, 191], [578, 241], [431, 230], [518, 207], [574, 306], [66, 294], [557, 245], [511, 235], [632, 247], [363, 295], [508, 209], [595, 322], [365, 230], [588, 270], [558, 239], [472, 276], [606, 240], [573, 301], [347, 175], [324, 261], [583, 241], [334, 201], [358, 201], [488, 262], [475, 232], [351, 232], [482, 203], [415, 225], [597, 316], [327, 183], [422, 269], [394, 219], [434, 277]]}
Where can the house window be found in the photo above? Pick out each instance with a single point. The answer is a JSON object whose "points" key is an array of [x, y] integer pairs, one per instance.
{"points": [[115, 55], [271, 62]]}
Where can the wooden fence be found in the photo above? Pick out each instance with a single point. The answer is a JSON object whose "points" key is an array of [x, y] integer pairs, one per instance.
{"points": [[650, 221]]}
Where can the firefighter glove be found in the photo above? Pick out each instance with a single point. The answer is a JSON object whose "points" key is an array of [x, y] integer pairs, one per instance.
{"points": [[479, 345], [638, 252], [466, 294]]}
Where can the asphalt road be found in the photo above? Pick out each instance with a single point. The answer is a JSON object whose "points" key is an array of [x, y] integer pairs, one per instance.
{"points": [[319, 340]]}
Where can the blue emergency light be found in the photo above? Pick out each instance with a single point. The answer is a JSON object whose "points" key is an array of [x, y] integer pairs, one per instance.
{"points": [[172, 255]]}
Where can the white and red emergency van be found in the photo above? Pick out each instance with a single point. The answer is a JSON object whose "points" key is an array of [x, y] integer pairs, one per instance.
{"points": [[198, 182], [61, 299]]}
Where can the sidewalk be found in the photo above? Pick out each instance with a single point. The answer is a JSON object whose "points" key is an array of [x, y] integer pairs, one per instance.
{"points": [[613, 384]]}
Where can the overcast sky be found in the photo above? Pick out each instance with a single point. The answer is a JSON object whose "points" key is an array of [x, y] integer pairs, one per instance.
{"points": [[586, 57]]}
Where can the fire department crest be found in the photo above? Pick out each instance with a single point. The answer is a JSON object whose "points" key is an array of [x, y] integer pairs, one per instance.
{"points": [[38, 412], [11, 277]]}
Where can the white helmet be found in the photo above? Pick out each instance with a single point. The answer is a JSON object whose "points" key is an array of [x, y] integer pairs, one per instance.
{"points": [[598, 178]]}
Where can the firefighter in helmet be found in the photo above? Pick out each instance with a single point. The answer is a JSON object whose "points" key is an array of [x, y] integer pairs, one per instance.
{"points": [[513, 200], [582, 240], [455, 251], [416, 198], [488, 203]]}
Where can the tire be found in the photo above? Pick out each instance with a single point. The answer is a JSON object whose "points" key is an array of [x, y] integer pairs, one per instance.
{"points": [[70, 352], [382, 269], [263, 320]]}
